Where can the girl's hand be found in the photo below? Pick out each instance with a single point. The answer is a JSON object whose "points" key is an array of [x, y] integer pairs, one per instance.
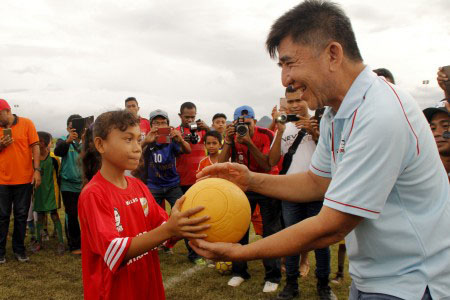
{"points": [[180, 225]]}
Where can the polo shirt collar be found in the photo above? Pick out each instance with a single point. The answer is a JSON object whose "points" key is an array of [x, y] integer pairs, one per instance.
{"points": [[355, 95]]}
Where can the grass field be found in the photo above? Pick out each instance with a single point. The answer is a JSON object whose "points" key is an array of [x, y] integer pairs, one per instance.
{"points": [[48, 276]]}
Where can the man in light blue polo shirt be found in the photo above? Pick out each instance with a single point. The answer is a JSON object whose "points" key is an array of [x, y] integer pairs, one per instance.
{"points": [[376, 165]]}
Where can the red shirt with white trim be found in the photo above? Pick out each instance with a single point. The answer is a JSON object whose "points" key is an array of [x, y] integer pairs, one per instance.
{"points": [[110, 218], [144, 124], [187, 164], [262, 138]]}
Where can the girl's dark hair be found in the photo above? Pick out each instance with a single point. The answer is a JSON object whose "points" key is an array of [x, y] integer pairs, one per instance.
{"points": [[215, 134], [91, 161], [45, 136]]}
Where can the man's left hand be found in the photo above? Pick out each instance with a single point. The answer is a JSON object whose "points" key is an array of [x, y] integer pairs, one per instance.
{"points": [[216, 251], [175, 134], [36, 179]]}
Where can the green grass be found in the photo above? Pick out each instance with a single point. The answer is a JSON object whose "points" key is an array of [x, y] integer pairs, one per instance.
{"points": [[49, 276]]}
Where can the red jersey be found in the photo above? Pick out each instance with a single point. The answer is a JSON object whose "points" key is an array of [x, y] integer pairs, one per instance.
{"points": [[144, 124], [262, 138], [187, 164], [110, 218], [204, 163]]}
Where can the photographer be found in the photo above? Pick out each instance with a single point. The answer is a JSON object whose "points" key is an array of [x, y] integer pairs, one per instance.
{"points": [[296, 140], [161, 177], [69, 148], [192, 132], [248, 144]]}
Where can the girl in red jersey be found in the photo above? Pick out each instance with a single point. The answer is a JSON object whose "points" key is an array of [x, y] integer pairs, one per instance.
{"points": [[121, 224]]}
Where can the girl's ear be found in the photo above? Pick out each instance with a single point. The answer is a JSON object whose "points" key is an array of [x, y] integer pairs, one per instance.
{"points": [[99, 144]]}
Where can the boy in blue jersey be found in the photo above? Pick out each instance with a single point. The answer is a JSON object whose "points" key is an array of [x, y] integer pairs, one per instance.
{"points": [[161, 176]]}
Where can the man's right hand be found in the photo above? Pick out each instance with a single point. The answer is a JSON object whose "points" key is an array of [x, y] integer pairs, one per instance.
{"points": [[151, 136], [239, 174], [280, 126], [73, 135], [5, 142], [230, 133]]}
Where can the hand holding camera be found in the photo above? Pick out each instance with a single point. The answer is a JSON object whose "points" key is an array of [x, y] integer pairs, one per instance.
{"points": [[192, 137], [151, 136], [175, 135], [311, 126], [5, 141], [73, 136]]}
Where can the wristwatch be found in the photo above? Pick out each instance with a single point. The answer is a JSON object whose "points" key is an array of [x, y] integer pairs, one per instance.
{"points": [[38, 169]]}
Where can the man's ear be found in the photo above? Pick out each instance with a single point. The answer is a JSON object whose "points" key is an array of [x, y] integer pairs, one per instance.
{"points": [[335, 55], [99, 144]]}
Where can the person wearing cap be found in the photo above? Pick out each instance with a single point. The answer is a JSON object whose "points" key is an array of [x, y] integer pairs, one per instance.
{"points": [[252, 150], [160, 153], [439, 119], [19, 144], [161, 176]]}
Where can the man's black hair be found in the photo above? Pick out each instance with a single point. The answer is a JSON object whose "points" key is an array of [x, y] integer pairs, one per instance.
{"points": [[187, 105], [215, 134], [131, 99], [73, 117], [385, 73], [315, 23], [45, 136], [219, 115]]}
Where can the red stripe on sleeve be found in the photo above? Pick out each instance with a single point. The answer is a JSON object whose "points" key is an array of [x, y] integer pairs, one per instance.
{"points": [[353, 206]]}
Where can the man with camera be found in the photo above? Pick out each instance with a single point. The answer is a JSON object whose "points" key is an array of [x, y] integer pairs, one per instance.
{"points": [[192, 132], [249, 144], [296, 139], [19, 144], [69, 148], [161, 147]]}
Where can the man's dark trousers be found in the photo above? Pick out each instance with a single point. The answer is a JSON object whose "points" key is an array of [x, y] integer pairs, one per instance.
{"points": [[270, 213], [18, 197]]}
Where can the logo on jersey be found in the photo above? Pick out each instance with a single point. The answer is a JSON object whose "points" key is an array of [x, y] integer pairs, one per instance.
{"points": [[144, 204], [117, 217]]}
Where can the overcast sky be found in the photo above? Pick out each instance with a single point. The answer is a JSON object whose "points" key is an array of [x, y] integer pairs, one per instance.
{"points": [[61, 57]]}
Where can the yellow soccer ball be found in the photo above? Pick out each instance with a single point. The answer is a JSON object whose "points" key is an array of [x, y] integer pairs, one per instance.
{"points": [[226, 205], [224, 267]]}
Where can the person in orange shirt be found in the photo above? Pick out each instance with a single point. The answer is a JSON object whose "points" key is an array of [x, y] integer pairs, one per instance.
{"points": [[19, 143], [213, 142]]}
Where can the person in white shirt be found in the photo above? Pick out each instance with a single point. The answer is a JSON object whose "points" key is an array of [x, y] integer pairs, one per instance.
{"points": [[298, 141]]}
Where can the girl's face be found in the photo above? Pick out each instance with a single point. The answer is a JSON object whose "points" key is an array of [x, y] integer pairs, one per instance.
{"points": [[212, 145], [121, 149]]}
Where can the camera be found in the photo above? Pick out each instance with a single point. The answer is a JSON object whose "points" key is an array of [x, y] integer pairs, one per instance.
{"points": [[240, 127], [285, 118], [192, 137]]}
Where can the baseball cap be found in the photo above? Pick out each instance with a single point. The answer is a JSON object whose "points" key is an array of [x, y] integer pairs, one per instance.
{"points": [[4, 105], [244, 110], [431, 111], [158, 113]]}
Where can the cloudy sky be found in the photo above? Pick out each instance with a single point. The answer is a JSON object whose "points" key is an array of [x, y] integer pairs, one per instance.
{"points": [[59, 57]]}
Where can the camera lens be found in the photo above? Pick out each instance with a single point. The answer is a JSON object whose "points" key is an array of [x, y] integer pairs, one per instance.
{"points": [[282, 118], [241, 129]]}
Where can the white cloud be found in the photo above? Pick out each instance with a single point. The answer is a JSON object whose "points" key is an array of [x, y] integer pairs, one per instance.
{"points": [[63, 57]]}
